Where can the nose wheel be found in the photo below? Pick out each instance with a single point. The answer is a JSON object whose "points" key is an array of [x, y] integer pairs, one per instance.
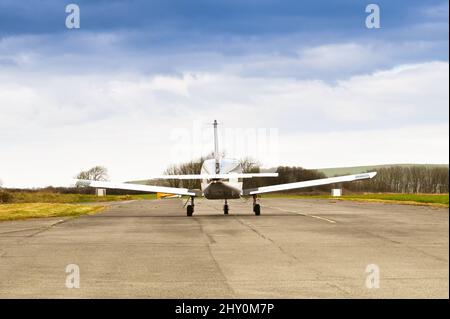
{"points": [[190, 208], [225, 208], [256, 207]]}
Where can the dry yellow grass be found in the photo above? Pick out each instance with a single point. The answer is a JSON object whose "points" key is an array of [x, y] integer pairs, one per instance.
{"points": [[401, 202], [38, 210]]}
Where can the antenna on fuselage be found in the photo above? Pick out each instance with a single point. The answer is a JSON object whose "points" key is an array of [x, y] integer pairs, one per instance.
{"points": [[216, 148]]}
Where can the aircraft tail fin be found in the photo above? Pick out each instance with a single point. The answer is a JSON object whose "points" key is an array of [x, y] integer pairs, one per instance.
{"points": [[216, 148]]}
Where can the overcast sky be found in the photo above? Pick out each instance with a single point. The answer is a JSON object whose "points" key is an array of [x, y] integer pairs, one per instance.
{"points": [[291, 82]]}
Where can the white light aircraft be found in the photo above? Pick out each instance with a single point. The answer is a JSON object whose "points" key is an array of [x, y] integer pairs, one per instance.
{"points": [[222, 179]]}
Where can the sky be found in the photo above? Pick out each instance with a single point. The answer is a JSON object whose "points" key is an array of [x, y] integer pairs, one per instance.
{"points": [[301, 83]]}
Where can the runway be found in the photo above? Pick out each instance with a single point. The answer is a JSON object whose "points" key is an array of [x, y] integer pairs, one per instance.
{"points": [[295, 249]]}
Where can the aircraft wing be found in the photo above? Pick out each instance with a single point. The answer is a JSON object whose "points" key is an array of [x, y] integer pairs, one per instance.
{"points": [[140, 187], [314, 182]]}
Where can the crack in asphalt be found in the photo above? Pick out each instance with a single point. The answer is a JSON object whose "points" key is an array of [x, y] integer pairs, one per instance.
{"points": [[292, 257], [210, 241], [251, 227], [38, 229], [303, 214]]}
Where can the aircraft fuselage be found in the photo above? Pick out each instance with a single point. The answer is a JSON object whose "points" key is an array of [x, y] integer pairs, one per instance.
{"points": [[221, 188]]}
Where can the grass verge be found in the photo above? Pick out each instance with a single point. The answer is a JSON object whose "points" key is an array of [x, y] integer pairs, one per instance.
{"points": [[39, 210], [42, 197]]}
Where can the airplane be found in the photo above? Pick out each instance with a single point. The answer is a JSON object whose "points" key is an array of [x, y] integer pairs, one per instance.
{"points": [[222, 180]]}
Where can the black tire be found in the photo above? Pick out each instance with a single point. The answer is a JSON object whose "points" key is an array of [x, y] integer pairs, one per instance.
{"points": [[257, 209], [189, 210], [225, 209]]}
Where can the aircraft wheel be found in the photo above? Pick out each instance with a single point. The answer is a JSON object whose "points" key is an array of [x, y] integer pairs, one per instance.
{"points": [[189, 210], [257, 209], [225, 209]]}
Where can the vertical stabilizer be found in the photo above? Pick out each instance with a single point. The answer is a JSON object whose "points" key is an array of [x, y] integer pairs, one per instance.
{"points": [[216, 148]]}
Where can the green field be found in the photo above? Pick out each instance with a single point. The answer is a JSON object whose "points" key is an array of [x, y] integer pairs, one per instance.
{"points": [[41, 204], [334, 171], [42, 197], [414, 199], [418, 198], [39, 210]]}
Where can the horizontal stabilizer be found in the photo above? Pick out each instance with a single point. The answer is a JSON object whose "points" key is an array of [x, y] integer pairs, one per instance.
{"points": [[215, 176]]}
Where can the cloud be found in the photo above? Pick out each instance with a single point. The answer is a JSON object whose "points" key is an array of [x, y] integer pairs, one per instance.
{"points": [[115, 91], [412, 144], [437, 11], [87, 53], [55, 125]]}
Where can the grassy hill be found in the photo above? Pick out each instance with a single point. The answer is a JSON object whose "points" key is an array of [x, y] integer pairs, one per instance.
{"points": [[333, 171]]}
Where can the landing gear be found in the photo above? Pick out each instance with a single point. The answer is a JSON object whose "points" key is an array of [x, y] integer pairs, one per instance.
{"points": [[190, 207], [225, 208], [189, 210], [256, 207]]}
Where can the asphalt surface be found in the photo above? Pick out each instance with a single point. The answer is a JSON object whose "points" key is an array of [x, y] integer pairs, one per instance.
{"points": [[295, 249]]}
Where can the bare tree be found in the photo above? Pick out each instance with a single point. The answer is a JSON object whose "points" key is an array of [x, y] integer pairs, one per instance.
{"points": [[173, 170], [249, 165], [408, 179], [96, 173], [193, 167]]}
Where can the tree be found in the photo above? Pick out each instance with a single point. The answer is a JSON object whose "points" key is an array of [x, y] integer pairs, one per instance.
{"points": [[5, 197], [172, 170], [249, 165], [96, 173], [407, 179]]}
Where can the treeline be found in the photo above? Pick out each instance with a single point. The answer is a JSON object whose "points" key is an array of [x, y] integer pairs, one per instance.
{"points": [[188, 168], [285, 175], [62, 190], [405, 179], [395, 179]]}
